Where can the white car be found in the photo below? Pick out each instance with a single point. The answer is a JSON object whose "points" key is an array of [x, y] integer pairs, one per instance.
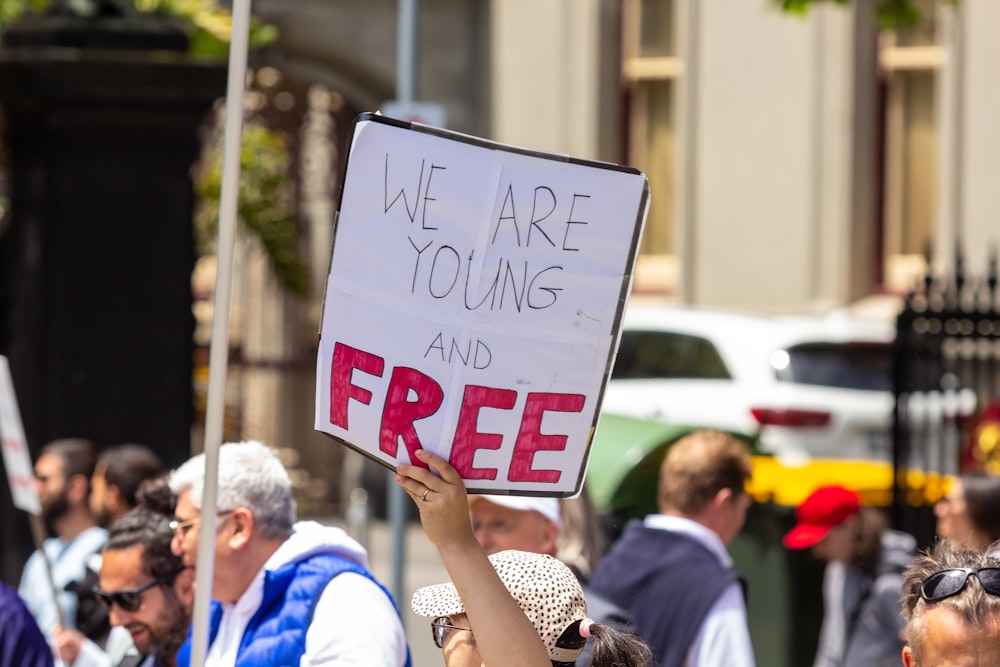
{"points": [[809, 386]]}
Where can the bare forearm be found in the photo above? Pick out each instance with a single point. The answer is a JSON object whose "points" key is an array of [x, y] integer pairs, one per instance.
{"points": [[503, 633]]}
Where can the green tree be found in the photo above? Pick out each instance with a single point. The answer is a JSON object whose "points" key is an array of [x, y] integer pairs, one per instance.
{"points": [[206, 24], [264, 204], [892, 14]]}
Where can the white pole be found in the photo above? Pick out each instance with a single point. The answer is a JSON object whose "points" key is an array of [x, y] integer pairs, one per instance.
{"points": [[406, 74], [219, 351]]}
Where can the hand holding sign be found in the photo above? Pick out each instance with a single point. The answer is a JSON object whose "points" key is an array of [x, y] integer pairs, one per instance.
{"points": [[473, 304]]}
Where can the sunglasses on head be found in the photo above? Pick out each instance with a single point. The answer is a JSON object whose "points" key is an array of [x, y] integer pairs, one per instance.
{"points": [[130, 600], [946, 583], [441, 627]]}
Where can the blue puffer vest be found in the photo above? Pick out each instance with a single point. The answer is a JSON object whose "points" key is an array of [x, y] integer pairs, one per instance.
{"points": [[276, 635]]}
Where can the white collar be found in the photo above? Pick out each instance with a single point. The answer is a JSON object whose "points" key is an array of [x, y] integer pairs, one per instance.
{"points": [[706, 537]]}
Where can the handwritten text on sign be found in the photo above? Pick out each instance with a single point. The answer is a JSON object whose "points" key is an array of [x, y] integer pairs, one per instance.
{"points": [[472, 305]]}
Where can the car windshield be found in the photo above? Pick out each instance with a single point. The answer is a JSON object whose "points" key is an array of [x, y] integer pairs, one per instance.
{"points": [[843, 365]]}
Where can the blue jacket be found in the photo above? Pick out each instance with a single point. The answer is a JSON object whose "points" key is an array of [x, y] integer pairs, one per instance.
{"points": [[276, 635]]}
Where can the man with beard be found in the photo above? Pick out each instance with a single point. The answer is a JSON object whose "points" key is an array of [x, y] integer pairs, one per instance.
{"points": [[62, 479], [146, 587], [118, 484]]}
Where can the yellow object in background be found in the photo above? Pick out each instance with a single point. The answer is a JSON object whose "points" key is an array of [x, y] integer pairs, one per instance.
{"points": [[789, 485]]}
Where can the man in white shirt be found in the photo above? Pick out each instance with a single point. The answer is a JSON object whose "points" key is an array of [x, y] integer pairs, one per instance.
{"points": [[285, 593], [62, 478], [672, 572]]}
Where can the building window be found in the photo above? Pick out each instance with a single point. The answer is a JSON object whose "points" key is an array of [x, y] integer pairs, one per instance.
{"points": [[909, 61], [650, 67]]}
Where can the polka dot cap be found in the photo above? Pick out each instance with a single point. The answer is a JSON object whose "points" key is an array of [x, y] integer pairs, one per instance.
{"points": [[546, 590]]}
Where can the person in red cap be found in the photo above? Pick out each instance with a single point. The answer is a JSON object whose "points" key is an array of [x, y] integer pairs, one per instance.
{"points": [[862, 583]]}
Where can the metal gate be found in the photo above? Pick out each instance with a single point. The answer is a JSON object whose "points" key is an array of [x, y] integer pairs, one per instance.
{"points": [[946, 371]]}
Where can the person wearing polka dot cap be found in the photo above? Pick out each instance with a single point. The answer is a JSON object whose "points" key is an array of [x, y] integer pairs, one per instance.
{"points": [[510, 608]]}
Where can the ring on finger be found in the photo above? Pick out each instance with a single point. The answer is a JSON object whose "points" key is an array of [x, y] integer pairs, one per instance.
{"points": [[423, 496]]}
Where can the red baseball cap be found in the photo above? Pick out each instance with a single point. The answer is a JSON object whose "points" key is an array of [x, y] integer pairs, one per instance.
{"points": [[826, 507]]}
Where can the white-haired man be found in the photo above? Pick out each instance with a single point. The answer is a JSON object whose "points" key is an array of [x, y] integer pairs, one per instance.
{"points": [[284, 593]]}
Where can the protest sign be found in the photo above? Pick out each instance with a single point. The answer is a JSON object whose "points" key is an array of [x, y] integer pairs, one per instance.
{"points": [[473, 304], [16, 459]]}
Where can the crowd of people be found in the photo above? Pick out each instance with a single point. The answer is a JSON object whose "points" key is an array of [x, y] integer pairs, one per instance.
{"points": [[530, 582]]}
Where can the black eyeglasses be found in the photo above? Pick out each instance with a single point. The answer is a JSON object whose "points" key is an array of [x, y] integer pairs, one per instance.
{"points": [[946, 583], [130, 600], [441, 627]]}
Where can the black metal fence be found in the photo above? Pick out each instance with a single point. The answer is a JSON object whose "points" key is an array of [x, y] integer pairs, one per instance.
{"points": [[946, 371]]}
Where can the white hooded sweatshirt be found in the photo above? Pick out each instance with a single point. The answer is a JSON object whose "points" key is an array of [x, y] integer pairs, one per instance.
{"points": [[354, 622]]}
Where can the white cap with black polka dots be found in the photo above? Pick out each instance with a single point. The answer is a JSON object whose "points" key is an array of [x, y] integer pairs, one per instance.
{"points": [[546, 590]]}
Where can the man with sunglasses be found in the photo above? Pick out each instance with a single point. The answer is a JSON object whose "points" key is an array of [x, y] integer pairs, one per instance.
{"points": [[285, 592], [951, 603], [114, 489], [146, 587]]}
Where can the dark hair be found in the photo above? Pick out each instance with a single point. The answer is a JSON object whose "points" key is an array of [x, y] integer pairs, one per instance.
{"points": [[982, 502], [867, 550], [127, 466], [155, 494], [612, 647], [149, 527], [77, 455]]}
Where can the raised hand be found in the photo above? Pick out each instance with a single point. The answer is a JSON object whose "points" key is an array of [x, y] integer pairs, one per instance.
{"points": [[440, 498]]}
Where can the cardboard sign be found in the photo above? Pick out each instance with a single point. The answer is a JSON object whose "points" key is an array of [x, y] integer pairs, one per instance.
{"points": [[473, 304], [16, 459]]}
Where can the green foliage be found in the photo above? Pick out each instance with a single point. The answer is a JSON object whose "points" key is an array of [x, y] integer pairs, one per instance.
{"points": [[11, 9], [891, 14], [208, 25], [801, 7], [265, 203]]}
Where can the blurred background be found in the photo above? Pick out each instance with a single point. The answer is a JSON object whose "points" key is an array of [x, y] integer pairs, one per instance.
{"points": [[826, 160]]}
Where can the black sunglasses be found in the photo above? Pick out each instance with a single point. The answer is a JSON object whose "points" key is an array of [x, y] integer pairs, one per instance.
{"points": [[130, 600], [946, 583], [441, 627]]}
